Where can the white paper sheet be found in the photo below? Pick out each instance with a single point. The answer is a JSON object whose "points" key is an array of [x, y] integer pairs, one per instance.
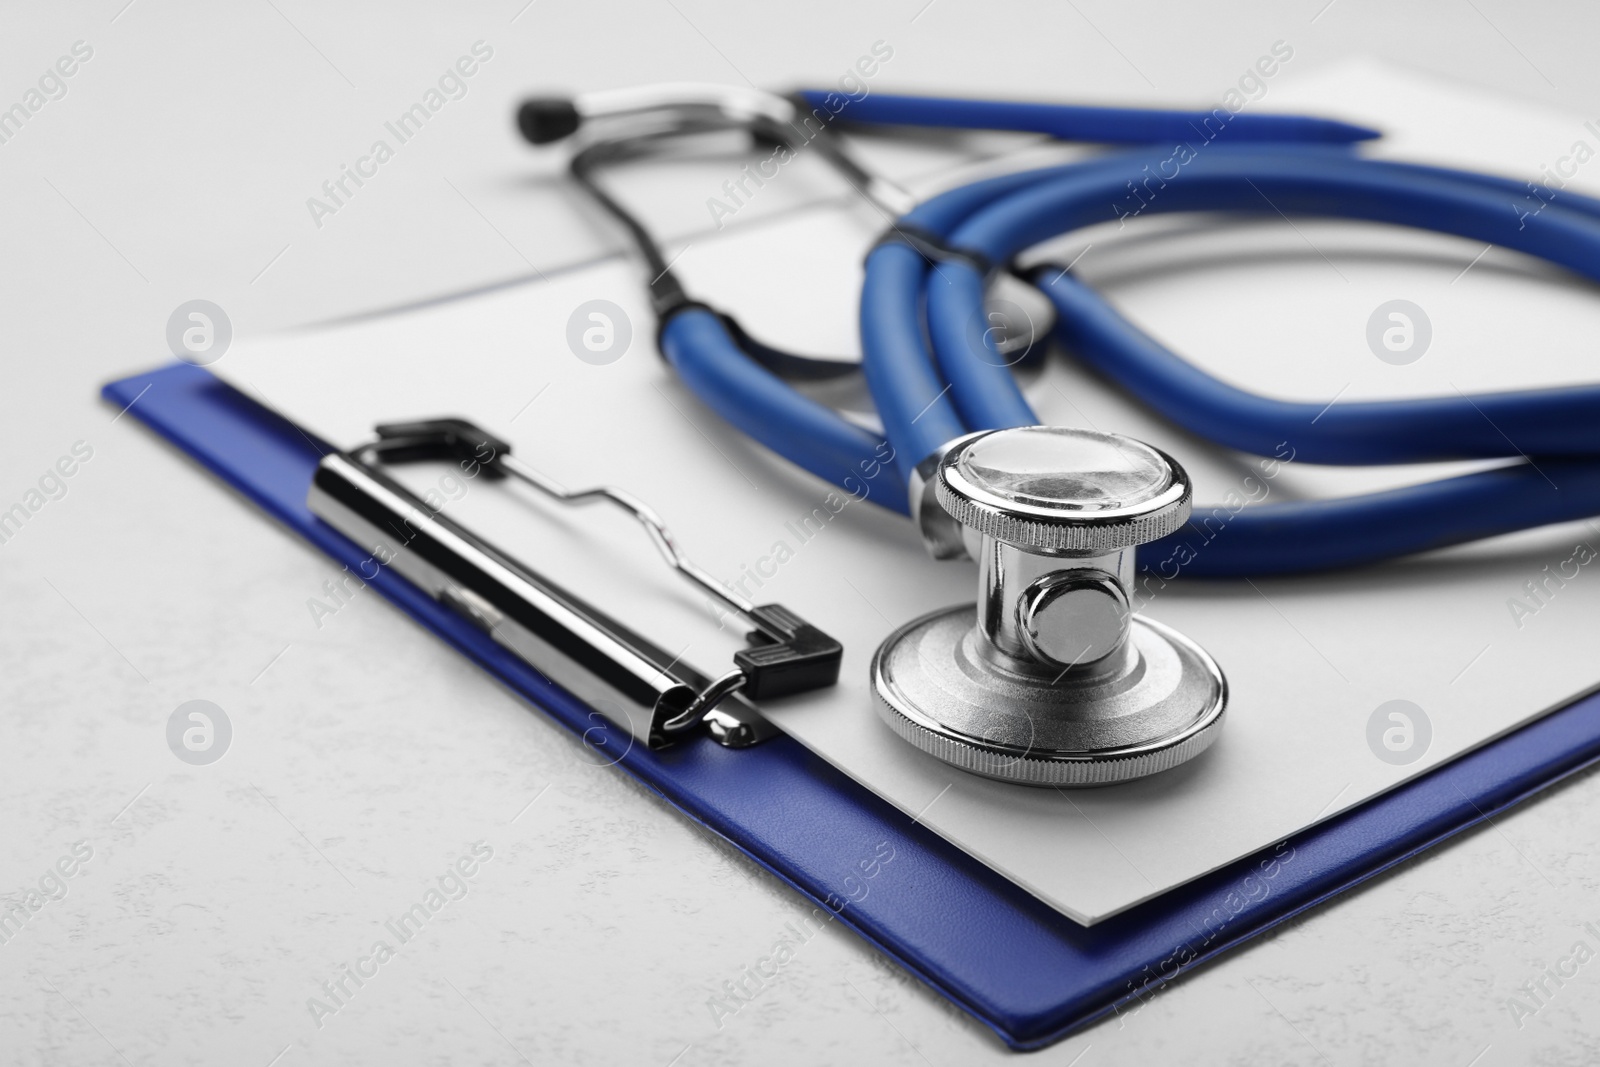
{"points": [[1281, 308]]}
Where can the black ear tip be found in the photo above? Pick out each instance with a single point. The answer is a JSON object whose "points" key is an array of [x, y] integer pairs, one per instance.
{"points": [[546, 119]]}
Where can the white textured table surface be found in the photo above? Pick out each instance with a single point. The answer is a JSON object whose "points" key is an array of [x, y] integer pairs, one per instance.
{"points": [[215, 900]]}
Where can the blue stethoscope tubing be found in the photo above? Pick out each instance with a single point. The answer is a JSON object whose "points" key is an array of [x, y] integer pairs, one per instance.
{"points": [[934, 378], [1075, 122]]}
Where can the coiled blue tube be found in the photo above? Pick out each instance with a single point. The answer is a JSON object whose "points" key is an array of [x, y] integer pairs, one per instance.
{"points": [[921, 416], [935, 374], [995, 221]]}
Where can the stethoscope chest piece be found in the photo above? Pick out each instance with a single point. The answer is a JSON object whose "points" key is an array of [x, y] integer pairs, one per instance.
{"points": [[1050, 678]]}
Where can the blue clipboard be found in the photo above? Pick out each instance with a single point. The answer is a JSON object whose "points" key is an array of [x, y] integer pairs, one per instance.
{"points": [[1023, 969]]}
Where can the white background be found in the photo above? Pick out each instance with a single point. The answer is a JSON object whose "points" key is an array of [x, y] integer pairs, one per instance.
{"points": [[177, 166]]}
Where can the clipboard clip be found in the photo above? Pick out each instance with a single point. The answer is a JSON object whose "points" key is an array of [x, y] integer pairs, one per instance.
{"points": [[566, 639]]}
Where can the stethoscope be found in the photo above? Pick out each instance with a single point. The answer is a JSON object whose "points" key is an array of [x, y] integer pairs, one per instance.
{"points": [[1051, 677]]}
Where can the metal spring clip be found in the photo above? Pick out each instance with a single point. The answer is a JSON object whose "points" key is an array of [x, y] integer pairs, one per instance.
{"points": [[566, 639]]}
